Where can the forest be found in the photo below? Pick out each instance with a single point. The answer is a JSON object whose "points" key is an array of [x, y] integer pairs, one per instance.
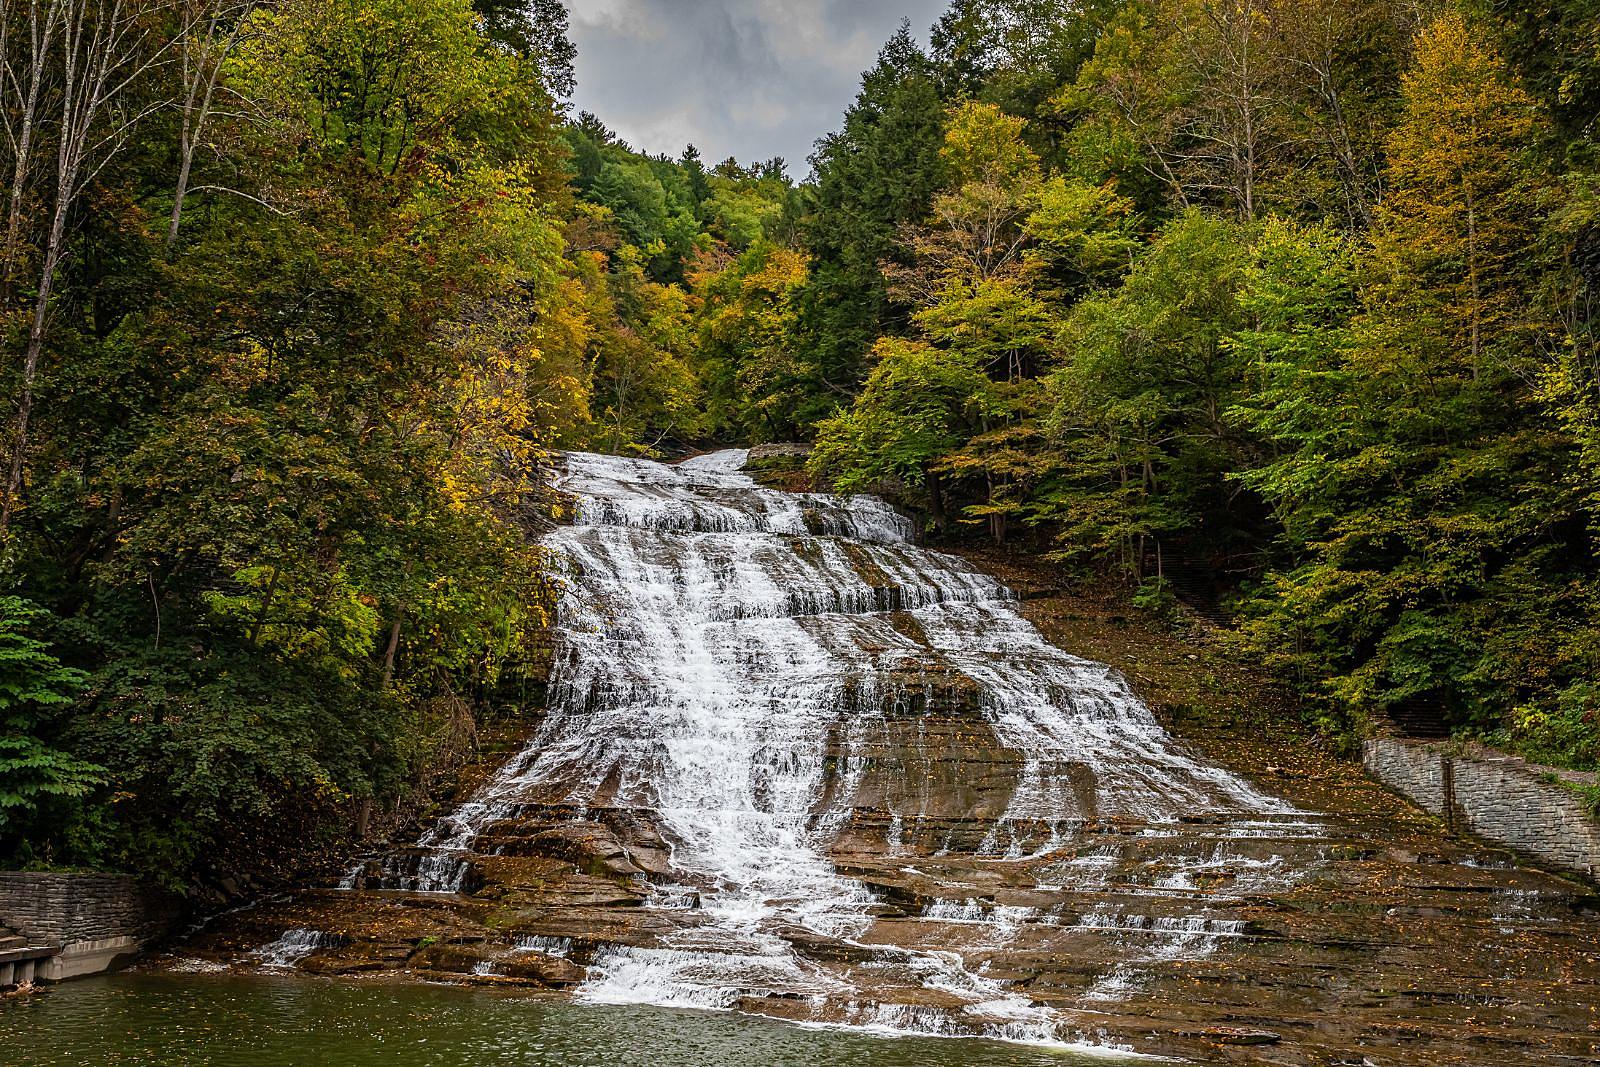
{"points": [[1288, 304]]}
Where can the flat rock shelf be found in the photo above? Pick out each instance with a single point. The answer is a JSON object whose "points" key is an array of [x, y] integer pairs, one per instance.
{"points": [[795, 766]]}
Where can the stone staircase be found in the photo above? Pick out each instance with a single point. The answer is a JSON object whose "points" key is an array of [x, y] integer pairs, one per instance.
{"points": [[1420, 718], [19, 960], [1198, 594]]}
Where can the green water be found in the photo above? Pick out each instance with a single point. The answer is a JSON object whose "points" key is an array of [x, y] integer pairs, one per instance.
{"points": [[199, 1020]]}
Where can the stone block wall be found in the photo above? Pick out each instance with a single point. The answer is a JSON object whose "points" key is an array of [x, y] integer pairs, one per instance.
{"points": [[1499, 798], [94, 919], [1415, 771]]}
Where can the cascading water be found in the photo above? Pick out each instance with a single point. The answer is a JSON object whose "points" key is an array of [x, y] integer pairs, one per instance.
{"points": [[294, 946], [737, 668]]}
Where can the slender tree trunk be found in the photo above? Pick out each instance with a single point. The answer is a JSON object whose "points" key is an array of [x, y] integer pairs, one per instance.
{"points": [[1473, 278], [392, 648], [104, 49], [155, 599], [40, 40], [1356, 199], [266, 605], [185, 163], [202, 69], [30, 368], [936, 504]]}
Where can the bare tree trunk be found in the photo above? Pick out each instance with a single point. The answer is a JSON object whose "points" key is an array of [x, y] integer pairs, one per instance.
{"points": [[105, 47], [1474, 279], [390, 650], [1359, 202], [21, 133], [1231, 115], [185, 163], [30, 369], [202, 59]]}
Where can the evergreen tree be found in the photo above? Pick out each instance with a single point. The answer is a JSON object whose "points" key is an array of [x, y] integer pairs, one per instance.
{"points": [[877, 173]]}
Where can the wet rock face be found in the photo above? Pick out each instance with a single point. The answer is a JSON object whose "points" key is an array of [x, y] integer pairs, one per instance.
{"points": [[794, 765]]}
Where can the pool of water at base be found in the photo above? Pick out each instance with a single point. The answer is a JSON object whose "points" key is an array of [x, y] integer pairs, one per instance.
{"points": [[255, 1021]]}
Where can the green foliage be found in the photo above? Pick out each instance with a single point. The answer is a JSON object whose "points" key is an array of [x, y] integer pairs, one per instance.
{"points": [[1155, 596], [1290, 299], [1285, 298], [229, 752], [1419, 493], [1299, 294], [1084, 236], [34, 689], [658, 248], [878, 172], [1141, 397], [1552, 44], [536, 29], [747, 312], [918, 404], [288, 468], [1566, 733]]}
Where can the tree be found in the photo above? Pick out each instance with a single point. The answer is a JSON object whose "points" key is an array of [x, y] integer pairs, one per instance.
{"points": [[966, 44], [879, 171], [644, 391], [1242, 104], [745, 317], [1299, 297], [1015, 54], [917, 405], [537, 30], [1141, 401], [992, 180], [33, 685], [1228, 132], [1337, 76], [211, 30], [1454, 232], [1422, 496], [94, 56], [27, 48], [1124, 110], [1551, 43], [1081, 237], [970, 278], [288, 485]]}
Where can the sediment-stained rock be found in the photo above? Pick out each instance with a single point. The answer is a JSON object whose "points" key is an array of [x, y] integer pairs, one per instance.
{"points": [[1212, 892]]}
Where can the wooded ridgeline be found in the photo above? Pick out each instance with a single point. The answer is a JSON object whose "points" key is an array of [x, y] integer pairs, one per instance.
{"points": [[299, 297]]}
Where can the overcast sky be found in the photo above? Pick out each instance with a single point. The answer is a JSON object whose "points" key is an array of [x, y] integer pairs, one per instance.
{"points": [[746, 78]]}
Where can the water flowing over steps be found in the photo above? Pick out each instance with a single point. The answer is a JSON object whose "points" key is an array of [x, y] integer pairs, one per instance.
{"points": [[793, 764]]}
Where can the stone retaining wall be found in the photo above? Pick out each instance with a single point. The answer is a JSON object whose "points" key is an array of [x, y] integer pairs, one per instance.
{"points": [[1499, 798], [95, 919]]}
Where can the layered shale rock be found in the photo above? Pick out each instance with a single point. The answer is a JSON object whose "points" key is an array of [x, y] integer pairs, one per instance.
{"points": [[794, 765]]}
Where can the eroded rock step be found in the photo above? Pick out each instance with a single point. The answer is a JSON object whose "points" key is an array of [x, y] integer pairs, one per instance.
{"points": [[1100, 883]]}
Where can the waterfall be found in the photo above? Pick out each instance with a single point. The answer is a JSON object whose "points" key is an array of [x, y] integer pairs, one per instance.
{"points": [[294, 946], [752, 676]]}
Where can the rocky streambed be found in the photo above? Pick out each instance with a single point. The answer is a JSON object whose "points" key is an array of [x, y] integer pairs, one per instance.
{"points": [[795, 766]]}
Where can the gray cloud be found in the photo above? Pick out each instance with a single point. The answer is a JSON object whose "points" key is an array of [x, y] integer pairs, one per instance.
{"points": [[752, 79]]}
